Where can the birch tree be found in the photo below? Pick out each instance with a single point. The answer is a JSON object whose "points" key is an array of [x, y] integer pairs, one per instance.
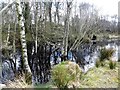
{"points": [[8, 35], [66, 29], [57, 5], [0, 46], [22, 36], [36, 26]]}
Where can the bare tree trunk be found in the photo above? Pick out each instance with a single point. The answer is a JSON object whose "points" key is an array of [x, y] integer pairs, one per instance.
{"points": [[66, 31], [14, 48], [50, 7], [57, 12], [36, 32], [22, 36], [0, 46], [8, 35], [56, 15]]}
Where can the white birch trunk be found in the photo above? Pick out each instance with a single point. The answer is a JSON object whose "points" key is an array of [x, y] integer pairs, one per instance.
{"points": [[8, 35], [22, 36], [0, 46], [65, 41], [36, 37], [14, 49], [36, 41]]}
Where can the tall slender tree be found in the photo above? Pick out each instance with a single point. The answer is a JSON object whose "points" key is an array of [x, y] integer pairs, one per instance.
{"points": [[21, 20], [66, 29]]}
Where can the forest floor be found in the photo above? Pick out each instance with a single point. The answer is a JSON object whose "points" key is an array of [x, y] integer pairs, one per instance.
{"points": [[101, 77]]}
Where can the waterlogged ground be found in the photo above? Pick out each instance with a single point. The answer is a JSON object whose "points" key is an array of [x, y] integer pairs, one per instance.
{"points": [[101, 77]]}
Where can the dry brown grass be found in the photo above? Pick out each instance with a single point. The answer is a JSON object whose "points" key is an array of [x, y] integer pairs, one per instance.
{"points": [[17, 83]]}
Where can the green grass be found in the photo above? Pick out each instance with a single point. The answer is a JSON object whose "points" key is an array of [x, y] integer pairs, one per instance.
{"points": [[46, 86], [101, 77]]}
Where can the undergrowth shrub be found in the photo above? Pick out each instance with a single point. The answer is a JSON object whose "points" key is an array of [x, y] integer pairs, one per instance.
{"points": [[118, 59], [106, 54], [65, 73], [97, 64], [102, 63], [112, 64]]}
